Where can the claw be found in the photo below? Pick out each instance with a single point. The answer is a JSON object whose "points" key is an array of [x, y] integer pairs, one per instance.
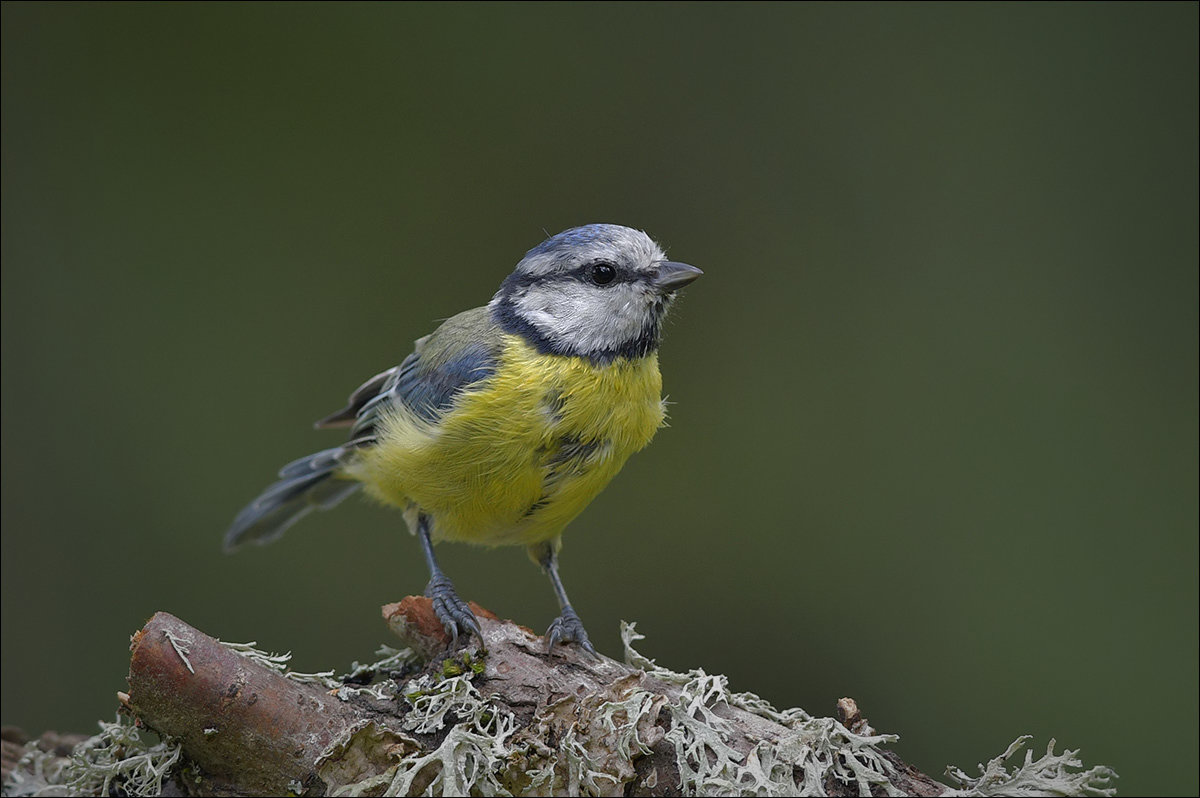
{"points": [[567, 628], [452, 611]]}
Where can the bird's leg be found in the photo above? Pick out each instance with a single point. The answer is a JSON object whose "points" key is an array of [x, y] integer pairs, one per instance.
{"points": [[566, 627], [451, 610]]}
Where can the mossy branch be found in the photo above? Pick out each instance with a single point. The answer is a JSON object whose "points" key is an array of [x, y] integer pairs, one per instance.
{"points": [[512, 721]]}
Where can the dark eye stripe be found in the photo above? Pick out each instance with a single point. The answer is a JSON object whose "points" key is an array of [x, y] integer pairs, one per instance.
{"points": [[515, 281], [587, 273]]}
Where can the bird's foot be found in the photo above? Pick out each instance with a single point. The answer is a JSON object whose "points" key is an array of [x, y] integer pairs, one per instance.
{"points": [[452, 611], [567, 628]]}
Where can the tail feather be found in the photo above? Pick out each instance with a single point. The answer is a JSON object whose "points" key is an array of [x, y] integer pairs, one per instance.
{"points": [[310, 483], [321, 461]]}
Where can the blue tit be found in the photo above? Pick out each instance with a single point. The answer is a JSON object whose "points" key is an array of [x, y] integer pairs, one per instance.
{"points": [[506, 421]]}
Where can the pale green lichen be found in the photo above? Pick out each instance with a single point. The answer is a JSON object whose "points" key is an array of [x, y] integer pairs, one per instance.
{"points": [[279, 663], [474, 746], [580, 776], [181, 648], [391, 659], [597, 740], [1051, 774], [37, 772], [118, 760], [481, 751], [470, 757], [797, 764]]}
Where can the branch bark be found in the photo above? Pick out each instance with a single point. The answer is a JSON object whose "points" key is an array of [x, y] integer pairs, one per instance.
{"points": [[246, 728]]}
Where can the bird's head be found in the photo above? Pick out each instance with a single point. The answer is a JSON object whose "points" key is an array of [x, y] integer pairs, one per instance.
{"points": [[598, 291]]}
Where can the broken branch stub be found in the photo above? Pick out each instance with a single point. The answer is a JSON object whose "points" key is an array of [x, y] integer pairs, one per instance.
{"points": [[238, 720]]}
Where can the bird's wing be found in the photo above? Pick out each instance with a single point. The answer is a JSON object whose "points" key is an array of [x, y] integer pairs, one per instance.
{"points": [[362, 394], [460, 353]]}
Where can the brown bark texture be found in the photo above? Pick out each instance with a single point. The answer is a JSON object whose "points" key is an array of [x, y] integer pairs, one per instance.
{"points": [[248, 729]]}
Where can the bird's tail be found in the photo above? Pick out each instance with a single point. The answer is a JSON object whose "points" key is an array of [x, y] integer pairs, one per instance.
{"points": [[310, 483]]}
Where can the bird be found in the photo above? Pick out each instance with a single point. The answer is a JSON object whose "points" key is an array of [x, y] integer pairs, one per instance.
{"points": [[504, 423]]}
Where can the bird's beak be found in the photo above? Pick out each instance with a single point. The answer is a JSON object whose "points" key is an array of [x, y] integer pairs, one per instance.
{"points": [[672, 276]]}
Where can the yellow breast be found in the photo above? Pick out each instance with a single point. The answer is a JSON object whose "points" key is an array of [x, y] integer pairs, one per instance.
{"points": [[519, 456]]}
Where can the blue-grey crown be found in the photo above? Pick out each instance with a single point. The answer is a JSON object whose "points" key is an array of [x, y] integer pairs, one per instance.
{"points": [[576, 246]]}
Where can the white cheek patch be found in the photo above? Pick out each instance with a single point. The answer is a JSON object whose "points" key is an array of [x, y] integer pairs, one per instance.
{"points": [[585, 318]]}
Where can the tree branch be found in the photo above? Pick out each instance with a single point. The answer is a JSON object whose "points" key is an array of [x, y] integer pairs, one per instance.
{"points": [[514, 720]]}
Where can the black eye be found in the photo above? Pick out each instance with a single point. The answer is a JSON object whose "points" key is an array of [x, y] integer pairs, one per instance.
{"points": [[603, 273]]}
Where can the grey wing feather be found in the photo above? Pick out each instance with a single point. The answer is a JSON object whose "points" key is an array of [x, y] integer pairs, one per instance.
{"points": [[461, 353], [362, 394], [321, 461], [369, 410], [431, 384]]}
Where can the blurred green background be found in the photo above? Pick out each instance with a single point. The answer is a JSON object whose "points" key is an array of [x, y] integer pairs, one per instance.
{"points": [[934, 435]]}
